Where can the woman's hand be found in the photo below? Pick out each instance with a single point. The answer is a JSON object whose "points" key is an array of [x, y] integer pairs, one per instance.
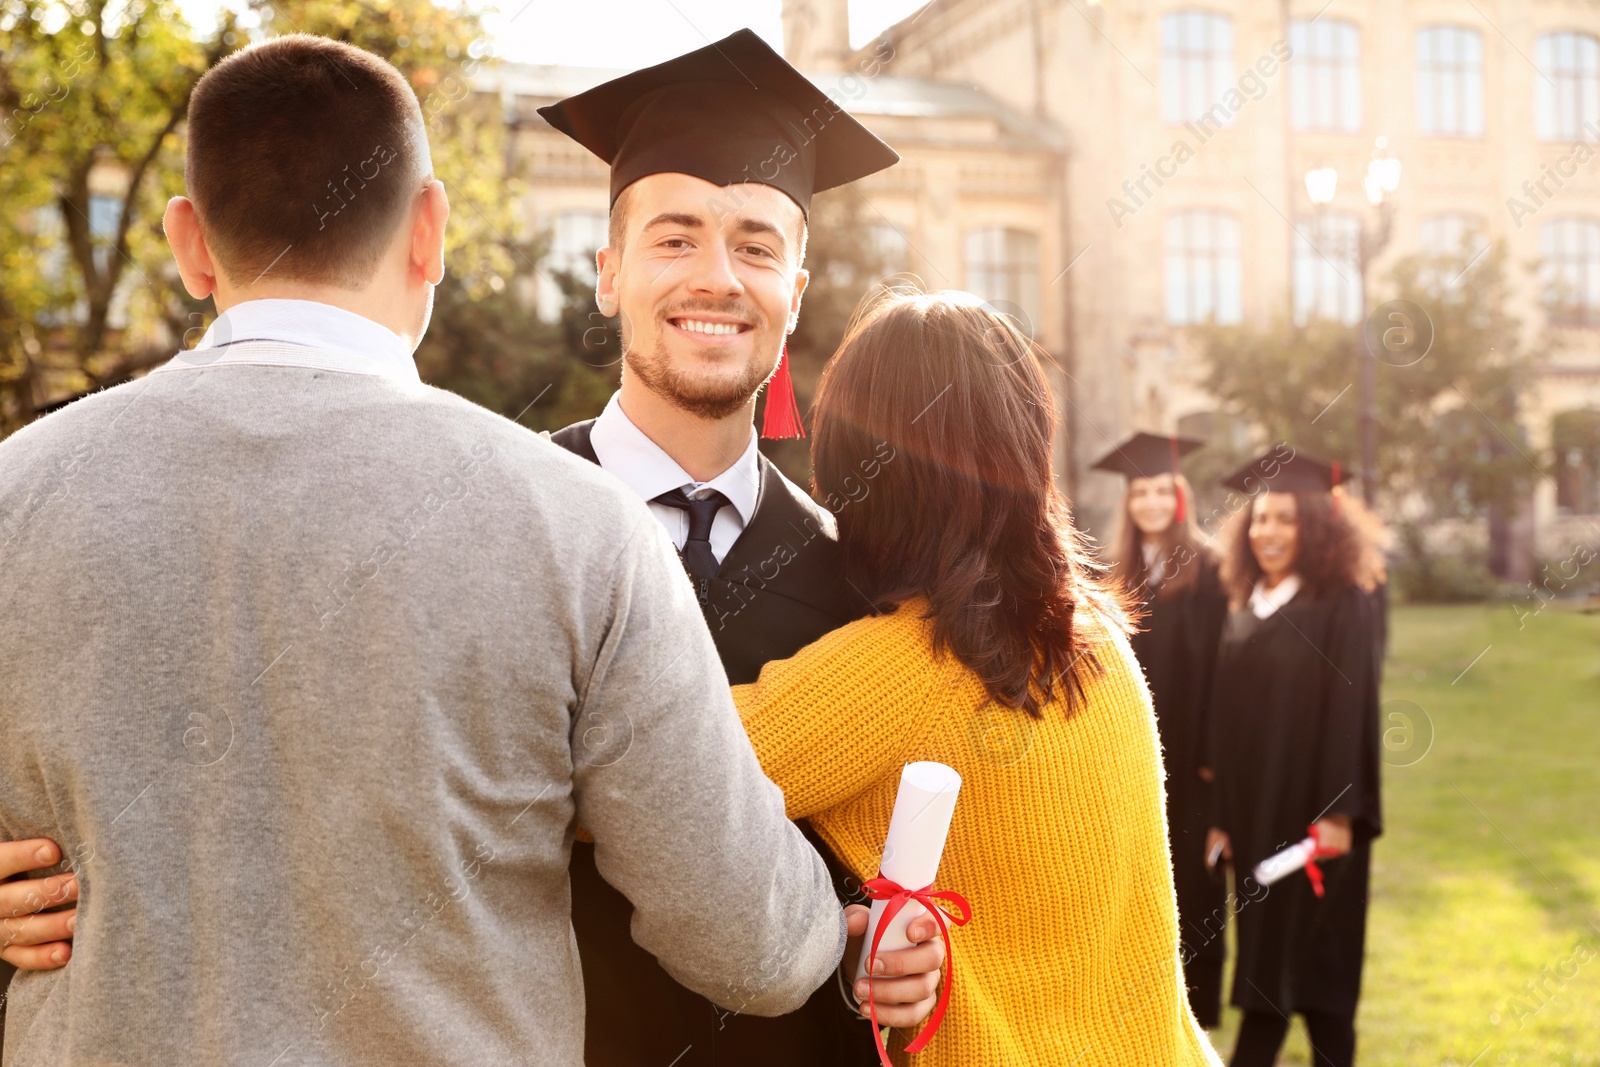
{"points": [[1333, 832], [29, 941], [1214, 837]]}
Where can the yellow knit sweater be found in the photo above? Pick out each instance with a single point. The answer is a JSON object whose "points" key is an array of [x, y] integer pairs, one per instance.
{"points": [[1059, 839]]}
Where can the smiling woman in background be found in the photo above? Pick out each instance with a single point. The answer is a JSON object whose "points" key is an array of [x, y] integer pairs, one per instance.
{"points": [[1160, 562], [1294, 744]]}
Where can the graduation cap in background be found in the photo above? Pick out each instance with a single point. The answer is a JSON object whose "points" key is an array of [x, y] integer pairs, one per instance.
{"points": [[1274, 473], [732, 112], [1145, 455]]}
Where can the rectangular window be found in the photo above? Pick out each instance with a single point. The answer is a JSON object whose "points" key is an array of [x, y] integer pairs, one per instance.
{"points": [[1196, 66], [1449, 82], [1327, 268], [575, 237], [1570, 251], [1003, 268], [1567, 88], [1325, 76], [1202, 268]]}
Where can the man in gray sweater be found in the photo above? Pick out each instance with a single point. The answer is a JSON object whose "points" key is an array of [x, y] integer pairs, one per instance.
{"points": [[312, 670]]}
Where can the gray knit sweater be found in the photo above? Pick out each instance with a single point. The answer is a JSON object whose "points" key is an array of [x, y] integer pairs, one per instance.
{"points": [[313, 675]]}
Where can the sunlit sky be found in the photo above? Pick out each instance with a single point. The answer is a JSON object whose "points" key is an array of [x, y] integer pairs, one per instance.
{"points": [[632, 33]]}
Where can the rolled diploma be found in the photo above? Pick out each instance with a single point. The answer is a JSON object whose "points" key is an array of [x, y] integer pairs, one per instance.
{"points": [[1279, 866], [912, 848]]}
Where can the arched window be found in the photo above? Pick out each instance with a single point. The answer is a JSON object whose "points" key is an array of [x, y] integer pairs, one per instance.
{"points": [[1449, 82], [1567, 91], [1202, 268], [1325, 75], [1196, 66], [1570, 249], [1327, 268]]}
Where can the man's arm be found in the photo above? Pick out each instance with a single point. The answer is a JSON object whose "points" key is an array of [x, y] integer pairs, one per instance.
{"points": [[29, 940], [727, 893]]}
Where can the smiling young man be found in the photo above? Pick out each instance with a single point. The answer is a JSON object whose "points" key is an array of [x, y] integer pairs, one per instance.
{"points": [[714, 158]]}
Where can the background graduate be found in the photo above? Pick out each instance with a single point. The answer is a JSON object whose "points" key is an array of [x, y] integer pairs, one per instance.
{"points": [[1294, 739], [1158, 559]]}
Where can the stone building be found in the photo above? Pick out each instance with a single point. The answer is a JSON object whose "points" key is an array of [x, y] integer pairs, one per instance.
{"points": [[1115, 172]]}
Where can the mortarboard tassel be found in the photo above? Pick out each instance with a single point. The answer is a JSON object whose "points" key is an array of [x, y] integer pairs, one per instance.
{"points": [[1181, 512], [1335, 492], [781, 419]]}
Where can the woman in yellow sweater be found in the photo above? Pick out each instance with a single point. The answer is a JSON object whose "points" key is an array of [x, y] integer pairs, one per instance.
{"points": [[994, 651]]}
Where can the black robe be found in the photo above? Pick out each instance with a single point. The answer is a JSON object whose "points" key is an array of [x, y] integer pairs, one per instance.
{"points": [[1177, 647], [1295, 733], [780, 587]]}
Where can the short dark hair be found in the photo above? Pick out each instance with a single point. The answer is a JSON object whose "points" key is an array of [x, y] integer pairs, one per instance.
{"points": [[304, 155]]}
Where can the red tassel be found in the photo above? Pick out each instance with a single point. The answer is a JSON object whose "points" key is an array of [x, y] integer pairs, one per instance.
{"points": [[1179, 514], [781, 419]]}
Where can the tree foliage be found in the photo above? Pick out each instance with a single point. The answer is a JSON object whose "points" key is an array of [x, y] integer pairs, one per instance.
{"points": [[1448, 435], [92, 100]]}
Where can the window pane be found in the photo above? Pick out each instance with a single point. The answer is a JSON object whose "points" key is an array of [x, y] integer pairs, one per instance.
{"points": [[1196, 65], [1567, 93], [1202, 267]]}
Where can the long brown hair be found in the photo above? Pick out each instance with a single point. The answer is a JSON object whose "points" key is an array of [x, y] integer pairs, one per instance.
{"points": [[1180, 556], [964, 511], [1334, 547]]}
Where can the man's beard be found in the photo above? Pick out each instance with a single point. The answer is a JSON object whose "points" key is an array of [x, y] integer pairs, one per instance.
{"points": [[706, 398]]}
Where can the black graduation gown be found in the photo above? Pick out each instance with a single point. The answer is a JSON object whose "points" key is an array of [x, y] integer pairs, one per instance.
{"points": [[1295, 731], [780, 587], [1177, 647]]}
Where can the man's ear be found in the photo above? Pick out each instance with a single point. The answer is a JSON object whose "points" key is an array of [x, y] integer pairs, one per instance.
{"points": [[182, 227], [606, 299], [802, 278], [427, 233]]}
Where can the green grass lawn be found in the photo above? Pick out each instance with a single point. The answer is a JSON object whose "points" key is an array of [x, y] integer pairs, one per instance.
{"points": [[1483, 941]]}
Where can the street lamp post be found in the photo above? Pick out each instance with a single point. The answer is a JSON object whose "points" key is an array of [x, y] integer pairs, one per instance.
{"points": [[1382, 178]]}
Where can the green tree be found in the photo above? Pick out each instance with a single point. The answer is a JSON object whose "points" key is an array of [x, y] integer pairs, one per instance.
{"points": [[1445, 393], [91, 94], [92, 100]]}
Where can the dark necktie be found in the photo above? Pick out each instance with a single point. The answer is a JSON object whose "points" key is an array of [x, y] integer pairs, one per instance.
{"points": [[698, 559]]}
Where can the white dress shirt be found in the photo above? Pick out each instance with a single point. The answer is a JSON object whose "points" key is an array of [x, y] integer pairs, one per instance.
{"points": [[300, 333], [1266, 602], [642, 465]]}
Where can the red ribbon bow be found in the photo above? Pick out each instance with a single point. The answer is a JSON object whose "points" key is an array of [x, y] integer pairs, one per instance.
{"points": [[1313, 872], [882, 888]]}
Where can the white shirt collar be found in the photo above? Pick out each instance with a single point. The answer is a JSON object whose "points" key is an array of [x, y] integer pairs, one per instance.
{"points": [[625, 451], [301, 333], [1266, 602], [1152, 556]]}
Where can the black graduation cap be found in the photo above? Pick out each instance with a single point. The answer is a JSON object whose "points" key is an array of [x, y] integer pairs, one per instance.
{"points": [[734, 111], [1144, 455], [1284, 470]]}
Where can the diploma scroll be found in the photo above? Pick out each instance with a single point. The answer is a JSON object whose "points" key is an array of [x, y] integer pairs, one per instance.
{"points": [[1280, 865], [913, 846]]}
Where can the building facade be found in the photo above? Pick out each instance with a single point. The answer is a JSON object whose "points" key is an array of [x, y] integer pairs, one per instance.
{"points": [[1115, 173], [1193, 127]]}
